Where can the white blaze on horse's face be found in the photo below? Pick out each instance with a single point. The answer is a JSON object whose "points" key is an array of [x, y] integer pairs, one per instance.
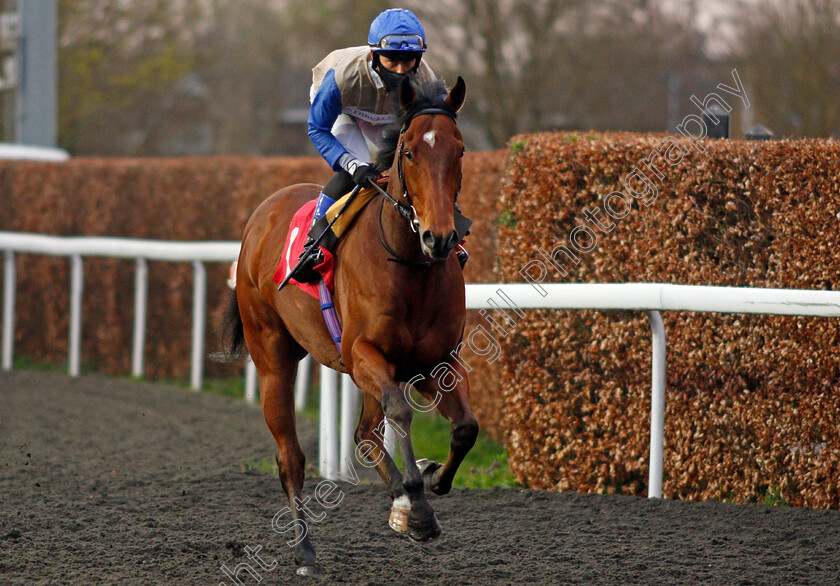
{"points": [[429, 138]]}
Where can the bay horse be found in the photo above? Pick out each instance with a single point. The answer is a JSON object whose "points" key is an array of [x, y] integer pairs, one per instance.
{"points": [[400, 319]]}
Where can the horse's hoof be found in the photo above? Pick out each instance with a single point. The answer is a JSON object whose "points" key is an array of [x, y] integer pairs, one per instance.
{"points": [[313, 570], [400, 509], [425, 531], [439, 488]]}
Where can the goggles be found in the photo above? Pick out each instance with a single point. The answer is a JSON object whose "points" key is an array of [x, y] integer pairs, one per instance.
{"points": [[410, 43]]}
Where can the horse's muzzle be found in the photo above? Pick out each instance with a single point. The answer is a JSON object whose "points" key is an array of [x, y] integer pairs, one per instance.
{"points": [[436, 246]]}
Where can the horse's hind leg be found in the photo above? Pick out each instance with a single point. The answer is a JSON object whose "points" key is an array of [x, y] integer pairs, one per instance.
{"points": [[455, 406], [276, 354]]}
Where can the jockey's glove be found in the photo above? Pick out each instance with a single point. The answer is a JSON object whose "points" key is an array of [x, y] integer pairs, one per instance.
{"points": [[364, 174], [361, 172]]}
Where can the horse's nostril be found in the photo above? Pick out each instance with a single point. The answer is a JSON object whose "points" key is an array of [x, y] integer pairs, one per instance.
{"points": [[452, 241], [429, 239]]}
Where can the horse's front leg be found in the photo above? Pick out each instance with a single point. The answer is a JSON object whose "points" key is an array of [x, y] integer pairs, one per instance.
{"points": [[375, 375], [453, 404], [370, 435]]}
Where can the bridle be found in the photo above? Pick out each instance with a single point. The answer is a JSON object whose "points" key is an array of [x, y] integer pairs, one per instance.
{"points": [[406, 210]]}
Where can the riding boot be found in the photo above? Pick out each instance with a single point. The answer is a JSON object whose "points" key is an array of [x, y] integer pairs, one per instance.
{"points": [[304, 272]]}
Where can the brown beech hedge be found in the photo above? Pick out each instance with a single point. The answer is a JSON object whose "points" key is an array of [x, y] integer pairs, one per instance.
{"points": [[752, 402]]}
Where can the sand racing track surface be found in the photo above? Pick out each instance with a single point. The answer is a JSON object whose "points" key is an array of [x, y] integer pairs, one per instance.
{"points": [[117, 482]]}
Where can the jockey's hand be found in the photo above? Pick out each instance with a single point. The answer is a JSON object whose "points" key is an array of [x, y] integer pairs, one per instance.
{"points": [[364, 174]]}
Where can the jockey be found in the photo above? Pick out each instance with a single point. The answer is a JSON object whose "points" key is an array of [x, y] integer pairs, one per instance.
{"points": [[351, 106]]}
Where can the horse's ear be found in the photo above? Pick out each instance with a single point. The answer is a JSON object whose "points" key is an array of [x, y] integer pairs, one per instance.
{"points": [[407, 95], [457, 94]]}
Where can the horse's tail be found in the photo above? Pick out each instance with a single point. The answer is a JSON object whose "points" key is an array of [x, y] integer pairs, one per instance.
{"points": [[233, 333]]}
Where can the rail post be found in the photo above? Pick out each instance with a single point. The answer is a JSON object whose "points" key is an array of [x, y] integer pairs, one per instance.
{"points": [[76, 288], [141, 289], [251, 385], [349, 407], [302, 382], [389, 440], [199, 300], [9, 285], [657, 404], [329, 448]]}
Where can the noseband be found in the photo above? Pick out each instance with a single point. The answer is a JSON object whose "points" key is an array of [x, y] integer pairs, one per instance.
{"points": [[406, 210]]}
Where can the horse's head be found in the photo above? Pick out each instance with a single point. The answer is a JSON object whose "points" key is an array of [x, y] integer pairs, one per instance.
{"points": [[428, 161]]}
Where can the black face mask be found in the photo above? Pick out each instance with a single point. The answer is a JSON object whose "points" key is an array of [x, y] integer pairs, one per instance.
{"points": [[391, 79]]}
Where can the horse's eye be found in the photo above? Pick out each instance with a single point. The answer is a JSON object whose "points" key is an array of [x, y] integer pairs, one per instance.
{"points": [[408, 155]]}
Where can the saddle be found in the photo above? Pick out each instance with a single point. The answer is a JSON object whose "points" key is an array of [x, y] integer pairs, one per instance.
{"points": [[299, 227]]}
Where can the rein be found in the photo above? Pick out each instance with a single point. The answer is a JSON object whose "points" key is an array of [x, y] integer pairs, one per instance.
{"points": [[407, 211]]}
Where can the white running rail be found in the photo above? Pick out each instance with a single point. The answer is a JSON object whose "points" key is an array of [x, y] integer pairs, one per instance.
{"points": [[32, 153], [141, 251], [337, 443]]}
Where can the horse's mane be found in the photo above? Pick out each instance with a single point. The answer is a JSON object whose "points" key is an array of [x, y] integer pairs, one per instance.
{"points": [[430, 94]]}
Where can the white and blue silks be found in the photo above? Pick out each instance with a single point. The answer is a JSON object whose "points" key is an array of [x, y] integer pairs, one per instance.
{"points": [[350, 108]]}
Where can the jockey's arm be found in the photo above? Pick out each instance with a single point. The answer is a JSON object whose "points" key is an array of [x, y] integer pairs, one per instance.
{"points": [[325, 109]]}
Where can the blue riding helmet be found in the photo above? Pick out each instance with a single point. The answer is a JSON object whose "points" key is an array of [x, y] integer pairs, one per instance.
{"points": [[397, 31]]}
